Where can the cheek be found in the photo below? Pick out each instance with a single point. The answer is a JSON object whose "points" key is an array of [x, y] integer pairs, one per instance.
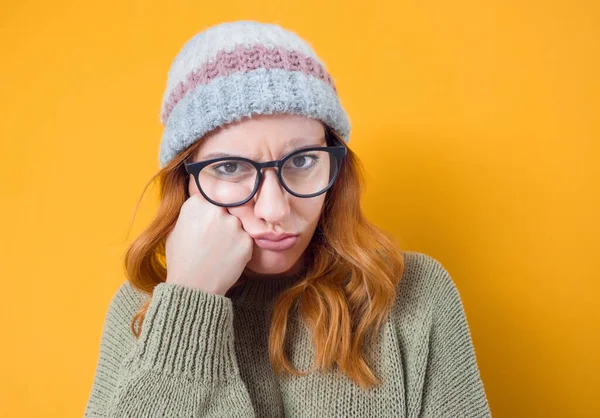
{"points": [[305, 214], [192, 188], [309, 210], [245, 214]]}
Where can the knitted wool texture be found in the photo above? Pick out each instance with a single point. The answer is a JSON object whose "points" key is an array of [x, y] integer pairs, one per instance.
{"points": [[237, 69], [206, 355]]}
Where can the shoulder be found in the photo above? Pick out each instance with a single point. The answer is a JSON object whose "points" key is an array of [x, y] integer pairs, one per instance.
{"points": [[425, 283], [423, 273]]}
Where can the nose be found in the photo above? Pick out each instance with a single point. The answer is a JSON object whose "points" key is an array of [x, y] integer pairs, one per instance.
{"points": [[271, 203]]}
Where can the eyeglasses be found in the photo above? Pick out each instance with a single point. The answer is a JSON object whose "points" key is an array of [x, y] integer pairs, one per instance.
{"points": [[233, 181]]}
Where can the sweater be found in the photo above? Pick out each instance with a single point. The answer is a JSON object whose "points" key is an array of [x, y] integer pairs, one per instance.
{"points": [[206, 355]]}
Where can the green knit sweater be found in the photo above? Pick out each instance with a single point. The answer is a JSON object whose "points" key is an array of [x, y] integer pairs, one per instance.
{"points": [[206, 355]]}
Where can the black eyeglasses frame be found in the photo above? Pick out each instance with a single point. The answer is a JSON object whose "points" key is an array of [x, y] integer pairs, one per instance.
{"points": [[338, 151]]}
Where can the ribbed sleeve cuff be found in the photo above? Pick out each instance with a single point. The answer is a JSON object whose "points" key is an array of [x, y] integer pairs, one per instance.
{"points": [[188, 332]]}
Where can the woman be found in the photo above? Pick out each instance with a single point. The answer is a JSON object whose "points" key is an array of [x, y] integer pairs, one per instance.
{"points": [[260, 289]]}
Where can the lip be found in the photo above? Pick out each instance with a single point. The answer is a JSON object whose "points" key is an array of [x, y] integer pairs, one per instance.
{"points": [[271, 236], [277, 245]]}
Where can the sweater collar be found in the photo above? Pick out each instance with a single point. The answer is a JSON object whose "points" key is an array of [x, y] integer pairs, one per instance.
{"points": [[261, 293]]}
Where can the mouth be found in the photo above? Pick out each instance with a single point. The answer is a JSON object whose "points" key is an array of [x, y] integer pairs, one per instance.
{"points": [[279, 245]]}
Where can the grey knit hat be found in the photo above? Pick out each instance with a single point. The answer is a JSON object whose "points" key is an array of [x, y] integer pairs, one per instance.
{"points": [[243, 68]]}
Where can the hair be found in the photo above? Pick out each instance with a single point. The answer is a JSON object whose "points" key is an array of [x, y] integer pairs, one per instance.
{"points": [[350, 282]]}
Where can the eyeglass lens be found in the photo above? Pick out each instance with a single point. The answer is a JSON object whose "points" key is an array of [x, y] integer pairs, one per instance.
{"points": [[233, 181]]}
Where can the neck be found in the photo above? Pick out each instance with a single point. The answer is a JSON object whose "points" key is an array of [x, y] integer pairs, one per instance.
{"points": [[295, 270], [260, 290]]}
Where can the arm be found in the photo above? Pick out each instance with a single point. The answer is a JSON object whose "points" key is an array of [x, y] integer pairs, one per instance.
{"points": [[452, 386], [183, 363]]}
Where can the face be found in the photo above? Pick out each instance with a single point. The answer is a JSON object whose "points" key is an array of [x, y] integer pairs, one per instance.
{"points": [[272, 209]]}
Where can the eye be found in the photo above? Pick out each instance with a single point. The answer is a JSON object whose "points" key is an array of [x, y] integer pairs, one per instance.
{"points": [[230, 169], [303, 161]]}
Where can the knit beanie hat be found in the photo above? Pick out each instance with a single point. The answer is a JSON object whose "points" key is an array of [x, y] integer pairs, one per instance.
{"points": [[243, 68]]}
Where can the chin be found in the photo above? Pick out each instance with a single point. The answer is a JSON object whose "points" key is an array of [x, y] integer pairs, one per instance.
{"points": [[271, 262]]}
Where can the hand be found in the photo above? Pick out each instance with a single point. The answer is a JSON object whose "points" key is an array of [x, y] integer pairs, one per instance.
{"points": [[208, 248]]}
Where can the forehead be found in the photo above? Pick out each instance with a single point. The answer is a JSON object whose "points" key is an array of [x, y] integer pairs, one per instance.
{"points": [[264, 135]]}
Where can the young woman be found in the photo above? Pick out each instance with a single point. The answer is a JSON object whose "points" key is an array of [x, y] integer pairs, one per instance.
{"points": [[260, 289]]}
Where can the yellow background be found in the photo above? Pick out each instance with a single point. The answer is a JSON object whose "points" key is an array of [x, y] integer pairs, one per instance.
{"points": [[477, 122]]}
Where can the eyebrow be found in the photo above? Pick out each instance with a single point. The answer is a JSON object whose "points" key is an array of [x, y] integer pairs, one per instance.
{"points": [[287, 150]]}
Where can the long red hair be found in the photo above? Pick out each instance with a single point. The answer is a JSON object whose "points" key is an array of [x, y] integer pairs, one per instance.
{"points": [[345, 296]]}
